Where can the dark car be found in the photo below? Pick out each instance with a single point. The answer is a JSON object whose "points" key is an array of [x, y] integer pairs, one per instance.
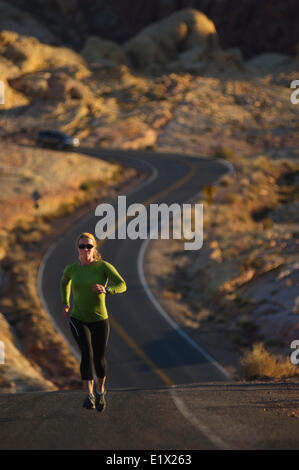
{"points": [[57, 139]]}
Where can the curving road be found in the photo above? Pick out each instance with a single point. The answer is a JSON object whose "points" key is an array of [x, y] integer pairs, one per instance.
{"points": [[146, 348]]}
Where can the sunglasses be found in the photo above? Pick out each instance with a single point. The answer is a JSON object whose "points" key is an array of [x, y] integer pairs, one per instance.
{"points": [[88, 246]]}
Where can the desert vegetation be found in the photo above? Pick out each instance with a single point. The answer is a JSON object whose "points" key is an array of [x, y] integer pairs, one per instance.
{"points": [[259, 363]]}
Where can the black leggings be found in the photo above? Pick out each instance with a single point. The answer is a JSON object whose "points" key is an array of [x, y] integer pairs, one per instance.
{"points": [[92, 338]]}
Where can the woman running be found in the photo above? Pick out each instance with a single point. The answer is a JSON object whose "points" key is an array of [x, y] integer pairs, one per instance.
{"points": [[89, 318]]}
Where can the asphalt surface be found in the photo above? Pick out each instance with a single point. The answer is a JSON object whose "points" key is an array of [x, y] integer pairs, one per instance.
{"points": [[164, 392], [144, 349], [211, 416]]}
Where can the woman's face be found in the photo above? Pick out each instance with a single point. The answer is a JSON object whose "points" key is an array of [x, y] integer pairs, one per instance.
{"points": [[86, 250]]}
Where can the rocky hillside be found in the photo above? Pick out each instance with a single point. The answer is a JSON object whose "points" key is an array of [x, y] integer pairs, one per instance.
{"points": [[81, 92], [256, 26]]}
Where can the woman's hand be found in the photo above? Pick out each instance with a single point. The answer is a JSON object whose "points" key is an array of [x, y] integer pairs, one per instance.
{"points": [[99, 289], [66, 312]]}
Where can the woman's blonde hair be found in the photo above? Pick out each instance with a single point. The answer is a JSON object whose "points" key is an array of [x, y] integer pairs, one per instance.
{"points": [[97, 255]]}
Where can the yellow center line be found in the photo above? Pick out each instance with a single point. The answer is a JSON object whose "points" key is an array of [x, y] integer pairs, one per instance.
{"points": [[144, 357], [128, 340], [173, 186]]}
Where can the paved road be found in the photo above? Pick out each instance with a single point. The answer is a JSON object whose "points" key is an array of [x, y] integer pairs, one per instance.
{"points": [[145, 349], [192, 417], [163, 392]]}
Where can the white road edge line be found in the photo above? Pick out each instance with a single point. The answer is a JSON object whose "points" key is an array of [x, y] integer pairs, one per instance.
{"points": [[165, 315], [158, 306], [182, 408], [190, 416]]}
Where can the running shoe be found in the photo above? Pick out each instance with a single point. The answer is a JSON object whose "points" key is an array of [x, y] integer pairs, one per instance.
{"points": [[89, 402], [100, 400]]}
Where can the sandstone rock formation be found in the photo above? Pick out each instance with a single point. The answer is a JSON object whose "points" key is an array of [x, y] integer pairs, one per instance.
{"points": [[253, 26], [187, 35], [11, 97], [186, 41], [29, 54]]}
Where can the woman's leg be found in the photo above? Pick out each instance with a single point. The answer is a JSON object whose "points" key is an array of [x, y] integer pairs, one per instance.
{"points": [[99, 338], [101, 384], [82, 336], [88, 385]]}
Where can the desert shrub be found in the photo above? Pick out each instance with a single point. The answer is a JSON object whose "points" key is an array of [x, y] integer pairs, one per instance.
{"points": [[225, 180], [232, 198], [259, 363], [88, 185], [223, 152]]}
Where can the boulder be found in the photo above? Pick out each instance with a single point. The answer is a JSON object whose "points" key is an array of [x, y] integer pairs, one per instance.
{"points": [[187, 31], [33, 85], [12, 98], [55, 86], [29, 55]]}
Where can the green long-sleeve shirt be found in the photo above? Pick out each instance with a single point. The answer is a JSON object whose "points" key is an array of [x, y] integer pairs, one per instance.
{"points": [[87, 305]]}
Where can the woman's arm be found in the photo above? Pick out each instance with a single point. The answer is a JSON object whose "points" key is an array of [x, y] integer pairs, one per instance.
{"points": [[65, 287], [118, 282]]}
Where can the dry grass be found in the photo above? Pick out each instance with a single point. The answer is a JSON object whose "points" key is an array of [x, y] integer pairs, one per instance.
{"points": [[259, 363]]}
